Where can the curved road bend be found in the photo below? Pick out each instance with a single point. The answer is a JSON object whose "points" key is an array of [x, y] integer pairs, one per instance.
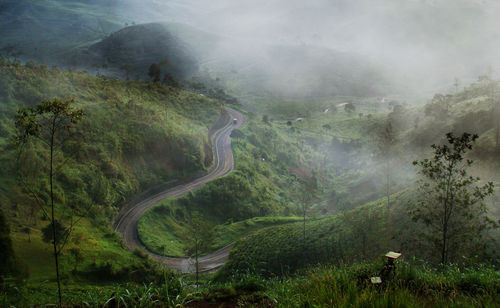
{"points": [[129, 216]]}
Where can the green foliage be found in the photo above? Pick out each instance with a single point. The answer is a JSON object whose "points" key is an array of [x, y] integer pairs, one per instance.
{"points": [[259, 186], [77, 256], [472, 110], [51, 122], [344, 238], [106, 271], [452, 207], [164, 232], [35, 121], [387, 140], [169, 291], [135, 135], [411, 286], [199, 235]]}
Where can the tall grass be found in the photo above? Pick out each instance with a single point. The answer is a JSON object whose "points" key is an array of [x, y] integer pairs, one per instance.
{"points": [[411, 285]]}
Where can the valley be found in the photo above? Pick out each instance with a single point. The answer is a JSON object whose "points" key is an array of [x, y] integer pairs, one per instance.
{"points": [[196, 154]]}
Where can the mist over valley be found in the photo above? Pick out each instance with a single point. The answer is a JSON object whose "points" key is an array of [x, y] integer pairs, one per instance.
{"points": [[167, 153]]}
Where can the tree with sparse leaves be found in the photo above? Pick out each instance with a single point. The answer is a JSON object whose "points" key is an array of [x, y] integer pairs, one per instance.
{"points": [[451, 207], [199, 237], [49, 124]]}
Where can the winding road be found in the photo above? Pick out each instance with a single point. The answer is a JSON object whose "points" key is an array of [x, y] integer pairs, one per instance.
{"points": [[126, 221]]}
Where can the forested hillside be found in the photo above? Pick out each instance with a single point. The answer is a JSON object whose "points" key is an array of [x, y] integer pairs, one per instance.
{"points": [[134, 136]]}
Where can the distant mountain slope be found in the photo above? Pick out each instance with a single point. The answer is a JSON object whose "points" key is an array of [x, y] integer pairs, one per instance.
{"points": [[135, 48], [42, 30], [90, 36], [310, 71], [245, 66], [95, 36]]}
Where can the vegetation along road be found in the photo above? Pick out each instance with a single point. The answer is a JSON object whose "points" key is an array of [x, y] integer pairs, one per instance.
{"points": [[129, 216]]}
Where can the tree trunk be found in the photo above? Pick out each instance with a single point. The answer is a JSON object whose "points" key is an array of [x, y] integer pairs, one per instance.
{"points": [[444, 243], [447, 214], [197, 265], [304, 233], [387, 181], [53, 220], [363, 243], [340, 247]]}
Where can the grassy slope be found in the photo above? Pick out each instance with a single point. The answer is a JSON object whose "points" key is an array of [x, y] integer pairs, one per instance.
{"points": [[345, 143], [411, 286], [370, 230], [351, 187], [347, 169], [137, 135], [259, 186], [163, 234], [268, 158], [360, 234]]}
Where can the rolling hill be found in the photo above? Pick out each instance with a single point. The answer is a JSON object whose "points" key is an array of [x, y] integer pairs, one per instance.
{"points": [[135, 135], [102, 38]]}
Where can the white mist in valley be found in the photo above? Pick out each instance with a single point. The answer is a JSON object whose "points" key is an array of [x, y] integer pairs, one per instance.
{"points": [[421, 45]]}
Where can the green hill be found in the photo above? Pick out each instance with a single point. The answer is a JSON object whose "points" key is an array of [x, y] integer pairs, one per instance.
{"points": [[135, 135], [133, 49], [100, 37], [349, 237], [367, 231], [261, 185]]}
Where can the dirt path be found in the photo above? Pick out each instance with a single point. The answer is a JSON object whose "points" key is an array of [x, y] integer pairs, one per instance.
{"points": [[129, 216]]}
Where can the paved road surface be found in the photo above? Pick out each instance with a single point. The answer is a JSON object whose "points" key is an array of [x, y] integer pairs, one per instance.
{"points": [[127, 219]]}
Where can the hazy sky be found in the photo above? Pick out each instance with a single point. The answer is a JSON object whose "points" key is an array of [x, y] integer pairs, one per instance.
{"points": [[429, 40]]}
